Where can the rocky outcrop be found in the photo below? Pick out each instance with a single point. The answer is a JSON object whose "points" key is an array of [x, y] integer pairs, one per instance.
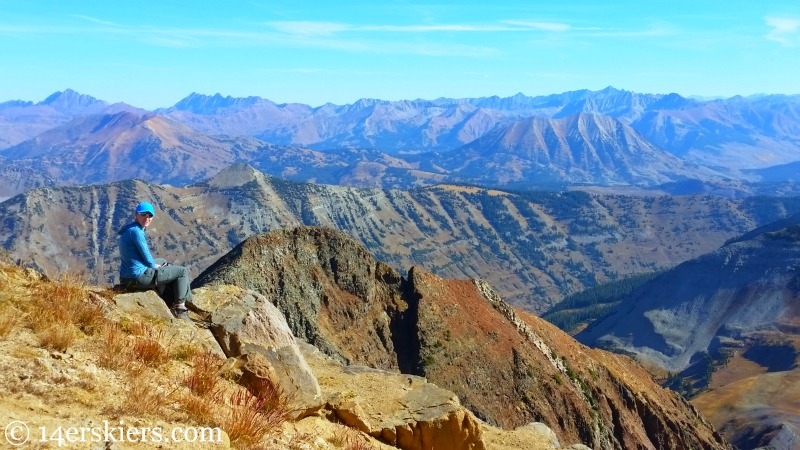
{"points": [[408, 412], [131, 363], [331, 290], [148, 306], [402, 410], [252, 330], [511, 367], [507, 367]]}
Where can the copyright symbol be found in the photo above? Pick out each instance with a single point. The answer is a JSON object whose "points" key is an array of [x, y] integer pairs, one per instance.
{"points": [[17, 433]]}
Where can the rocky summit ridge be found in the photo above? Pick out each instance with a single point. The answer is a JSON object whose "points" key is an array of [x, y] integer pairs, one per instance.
{"points": [[507, 367]]}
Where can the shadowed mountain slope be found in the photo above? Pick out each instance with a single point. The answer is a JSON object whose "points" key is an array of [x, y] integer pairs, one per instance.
{"points": [[742, 288], [738, 132], [725, 325], [508, 367]]}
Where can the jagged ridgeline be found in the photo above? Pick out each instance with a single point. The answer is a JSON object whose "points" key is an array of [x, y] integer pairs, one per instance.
{"points": [[507, 366], [534, 247]]}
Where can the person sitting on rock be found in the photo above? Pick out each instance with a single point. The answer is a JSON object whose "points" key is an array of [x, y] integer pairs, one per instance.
{"points": [[140, 271]]}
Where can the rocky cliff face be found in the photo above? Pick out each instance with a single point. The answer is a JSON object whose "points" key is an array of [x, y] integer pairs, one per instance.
{"points": [[331, 290], [508, 367]]}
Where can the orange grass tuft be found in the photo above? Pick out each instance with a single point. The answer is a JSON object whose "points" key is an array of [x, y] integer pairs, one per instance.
{"points": [[198, 409], [115, 347], [203, 378], [149, 351], [10, 317], [57, 337], [251, 417]]}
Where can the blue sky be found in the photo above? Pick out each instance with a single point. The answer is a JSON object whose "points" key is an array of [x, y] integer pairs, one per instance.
{"points": [[153, 53]]}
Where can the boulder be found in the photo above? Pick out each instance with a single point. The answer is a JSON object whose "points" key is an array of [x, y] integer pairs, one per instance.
{"points": [[149, 307], [253, 332], [404, 411], [143, 304]]}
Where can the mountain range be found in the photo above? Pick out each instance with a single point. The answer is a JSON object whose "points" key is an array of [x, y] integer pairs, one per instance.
{"points": [[535, 247], [610, 137]]}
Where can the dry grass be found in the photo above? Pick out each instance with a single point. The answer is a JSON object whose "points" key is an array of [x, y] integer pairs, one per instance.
{"points": [[10, 318], [115, 348], [203, 378], [57, 300], [89, 316], [57, 336], [144, 397], [184, 351], [134, 328], [252, 417], [57, 312], [272, 396], [199, 409], [149, 351]]}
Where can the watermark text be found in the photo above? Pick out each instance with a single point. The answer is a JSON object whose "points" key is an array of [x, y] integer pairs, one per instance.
{"points": [[18, 433]]}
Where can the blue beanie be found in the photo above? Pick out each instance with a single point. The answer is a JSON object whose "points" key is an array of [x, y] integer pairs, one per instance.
{"points": [[145, 207]]}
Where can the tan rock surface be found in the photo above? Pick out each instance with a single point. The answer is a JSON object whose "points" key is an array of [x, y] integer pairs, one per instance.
{"points": [[410, 412], [246, 324]]}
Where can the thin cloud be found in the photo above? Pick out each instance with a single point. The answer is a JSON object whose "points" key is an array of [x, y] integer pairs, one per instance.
{"points": [[174, 42], [95, 20], [785, 30], [544, 26], [329, 28], [435, 28], [305, 28], [309, 34]]}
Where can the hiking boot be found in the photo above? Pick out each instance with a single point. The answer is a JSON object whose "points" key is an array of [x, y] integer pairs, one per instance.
{"points": [[181, 314]]}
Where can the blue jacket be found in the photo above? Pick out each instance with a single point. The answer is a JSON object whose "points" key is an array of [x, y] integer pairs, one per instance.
{"points": [[133, 250]]}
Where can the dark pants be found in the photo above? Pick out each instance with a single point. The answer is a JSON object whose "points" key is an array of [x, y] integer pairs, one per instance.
{"points": [[171, 282]]}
